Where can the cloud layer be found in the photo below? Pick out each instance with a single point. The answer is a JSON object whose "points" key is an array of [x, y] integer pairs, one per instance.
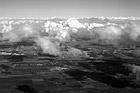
{"points": [[50, 35]]}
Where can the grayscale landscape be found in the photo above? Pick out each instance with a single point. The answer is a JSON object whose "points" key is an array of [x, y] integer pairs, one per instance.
{"points": [[69, 46], [57, 55]]}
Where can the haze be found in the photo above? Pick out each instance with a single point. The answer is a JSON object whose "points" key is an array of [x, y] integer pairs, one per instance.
{"points": [[69, 8]]}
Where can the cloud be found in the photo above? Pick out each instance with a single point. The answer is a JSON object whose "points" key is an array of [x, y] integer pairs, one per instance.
{"points": [[50, 35], [19, 32], [108, 32], [11, 37], [74, 23], [136, 53], [135, 69], [134, 30], [47, 46]]}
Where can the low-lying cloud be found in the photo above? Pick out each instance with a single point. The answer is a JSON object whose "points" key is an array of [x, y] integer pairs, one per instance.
{"points": [[50, 35]]}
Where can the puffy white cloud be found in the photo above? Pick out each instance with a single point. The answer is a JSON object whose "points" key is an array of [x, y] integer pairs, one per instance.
{"points": [[75, 30], [108, 32], [135, 31], [74, 23], [6, 28], [74, 52], [96, 25], [47, 24], [61, 31], [47, 46], [114, 30], [11, 37]]}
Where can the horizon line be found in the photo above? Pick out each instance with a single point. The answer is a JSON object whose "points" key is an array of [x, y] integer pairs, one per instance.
{"points": [[68, 17]]}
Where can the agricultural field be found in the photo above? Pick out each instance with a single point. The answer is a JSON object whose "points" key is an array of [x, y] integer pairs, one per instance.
{"points": [[59, 55]]}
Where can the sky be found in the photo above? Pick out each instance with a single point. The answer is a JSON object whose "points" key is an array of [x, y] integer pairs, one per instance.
{"points": [[69, 8]]}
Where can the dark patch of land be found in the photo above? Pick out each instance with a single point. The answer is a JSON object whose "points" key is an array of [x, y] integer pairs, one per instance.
{"points": [[30, 71]]}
